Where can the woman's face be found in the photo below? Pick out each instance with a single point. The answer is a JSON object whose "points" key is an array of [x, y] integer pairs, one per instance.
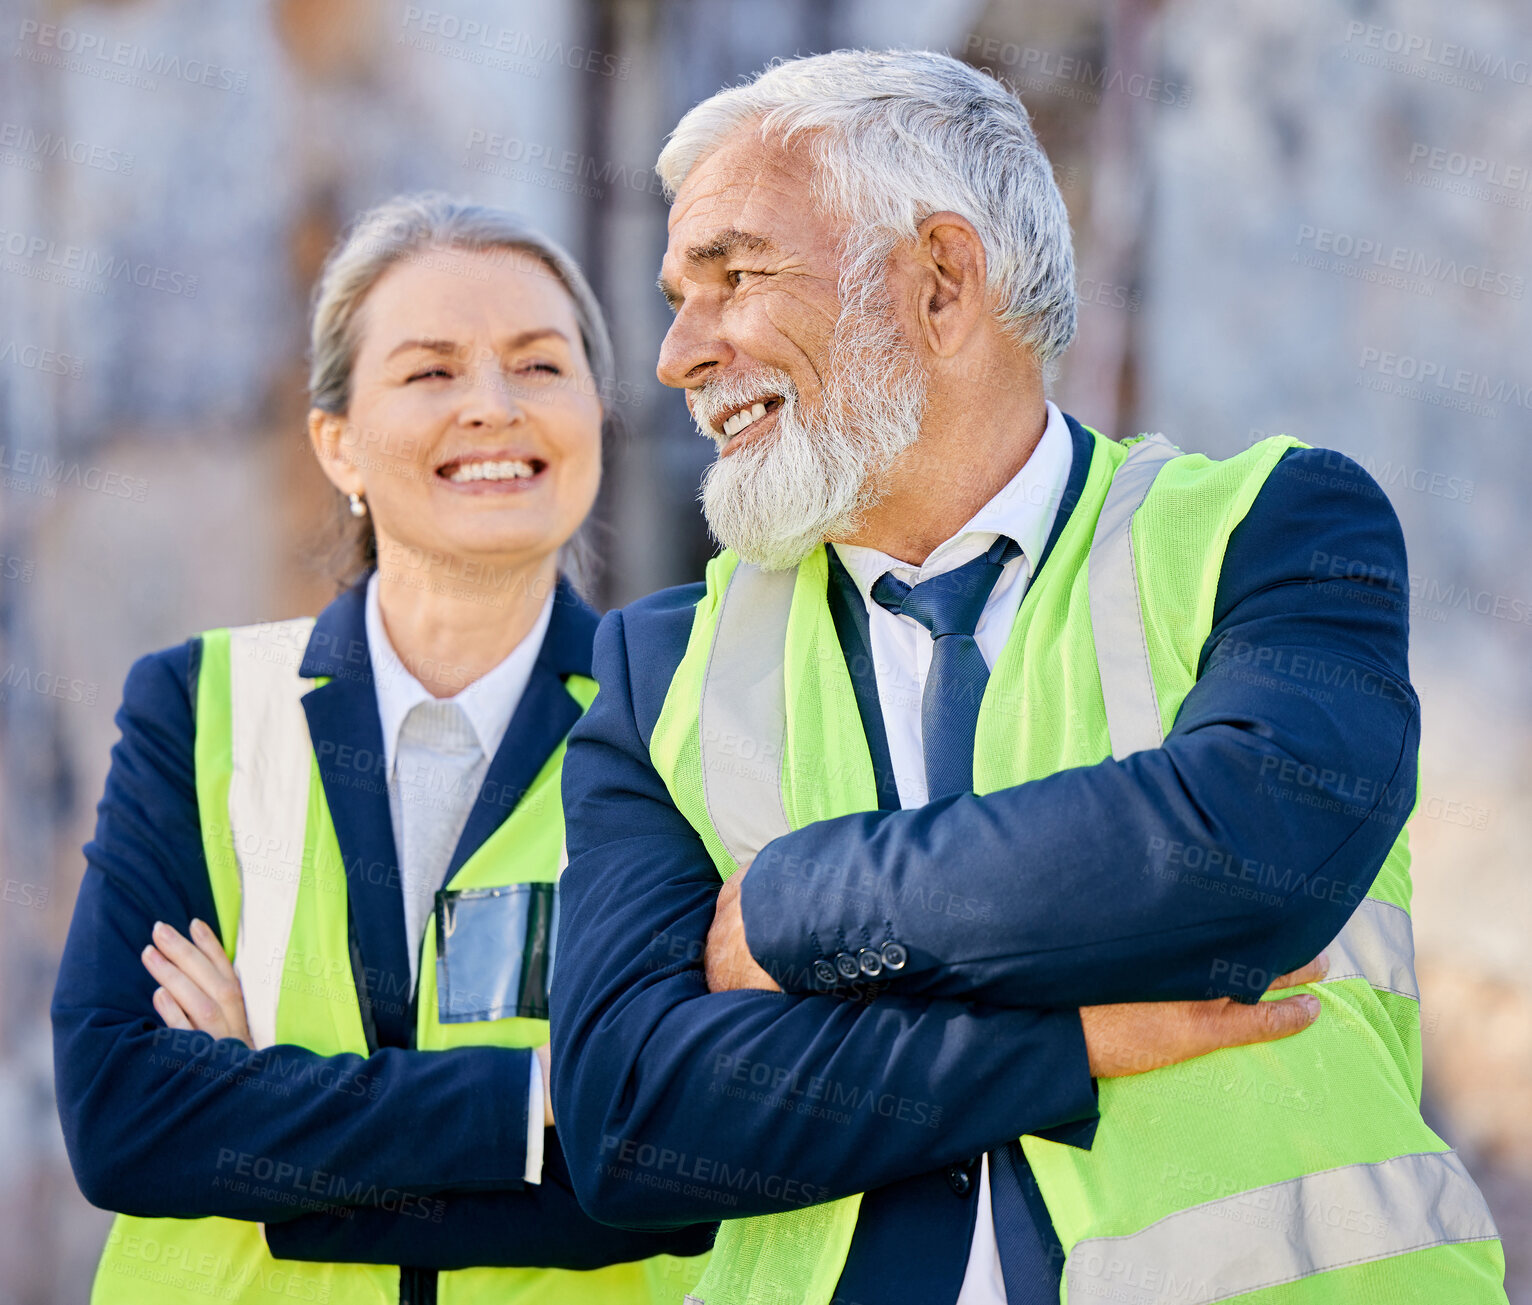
{"points": [[474, 430]]}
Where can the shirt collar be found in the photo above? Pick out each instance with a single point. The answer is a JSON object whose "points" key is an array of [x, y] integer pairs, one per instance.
{"points": [[489, 702], [1024, 509]]}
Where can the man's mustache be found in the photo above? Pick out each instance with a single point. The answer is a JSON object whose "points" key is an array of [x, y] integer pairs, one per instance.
{"points": [[713, 401]]}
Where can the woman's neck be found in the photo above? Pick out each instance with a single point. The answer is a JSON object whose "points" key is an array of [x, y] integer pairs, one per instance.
{"points": [[449, 630]]}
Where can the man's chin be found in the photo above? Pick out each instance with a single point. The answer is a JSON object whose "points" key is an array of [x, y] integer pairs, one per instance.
{"points": [[767, 554], [750, 507]]}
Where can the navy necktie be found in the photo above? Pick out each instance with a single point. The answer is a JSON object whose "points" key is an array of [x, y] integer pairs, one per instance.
{"points": [[1031, 1259], [949, 606]]}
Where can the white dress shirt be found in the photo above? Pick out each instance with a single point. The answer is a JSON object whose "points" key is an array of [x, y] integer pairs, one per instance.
{"points": [[488, 703], [1024, 510]]}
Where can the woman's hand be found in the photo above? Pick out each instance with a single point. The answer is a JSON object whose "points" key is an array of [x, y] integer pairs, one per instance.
{"points": [[198, 987]]}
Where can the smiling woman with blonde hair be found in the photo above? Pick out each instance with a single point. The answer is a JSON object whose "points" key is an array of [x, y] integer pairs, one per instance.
{"points": [[301, 1021]]}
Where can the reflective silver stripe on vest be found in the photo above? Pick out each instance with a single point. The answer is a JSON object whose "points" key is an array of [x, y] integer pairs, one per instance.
{"points": [[1377, 944], [1117, 620], [268, 805], [1278, 1234], [743, 719]]}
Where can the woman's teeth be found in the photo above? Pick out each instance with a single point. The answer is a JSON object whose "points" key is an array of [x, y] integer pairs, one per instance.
{"points": [[508, 470], [743, 418]]}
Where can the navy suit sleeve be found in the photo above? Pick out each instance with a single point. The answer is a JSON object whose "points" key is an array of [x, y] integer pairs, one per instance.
{"points": [[1234, 852], [681, 1105], [161, 1122], [541, 1227]]}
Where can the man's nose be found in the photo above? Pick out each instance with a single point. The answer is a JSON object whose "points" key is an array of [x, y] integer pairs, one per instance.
{"points": [[693, 348]]}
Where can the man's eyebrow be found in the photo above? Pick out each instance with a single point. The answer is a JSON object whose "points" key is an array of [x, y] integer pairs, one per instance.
{"points": [[728, 241]]}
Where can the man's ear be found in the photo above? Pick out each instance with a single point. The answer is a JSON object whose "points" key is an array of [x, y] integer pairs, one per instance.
{"points": [[327, 435], [950, 272]]}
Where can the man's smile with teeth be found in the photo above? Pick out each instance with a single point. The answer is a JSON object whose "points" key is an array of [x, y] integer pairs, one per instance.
{"points": [[747, 416]]}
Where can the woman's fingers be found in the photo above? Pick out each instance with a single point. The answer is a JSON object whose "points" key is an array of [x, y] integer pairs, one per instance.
{"points": [[229, 995], [200, 1009], [169, 1011], [211, 1000], [188, 959], [207, 943]]}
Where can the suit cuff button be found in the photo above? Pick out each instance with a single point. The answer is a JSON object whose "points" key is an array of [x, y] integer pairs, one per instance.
{"points": [[869, 962], [846, 966], [824, 972], [894, 955]]}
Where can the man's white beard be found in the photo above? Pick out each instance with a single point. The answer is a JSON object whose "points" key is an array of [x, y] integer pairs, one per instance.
{"points": [[816, 474]]}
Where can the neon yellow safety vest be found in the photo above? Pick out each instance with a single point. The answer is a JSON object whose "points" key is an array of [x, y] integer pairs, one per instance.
{"points": [[285, 927], [1298, 1172]]}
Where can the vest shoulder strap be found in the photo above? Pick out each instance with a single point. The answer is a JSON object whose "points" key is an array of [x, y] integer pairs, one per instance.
{"points": [[742, 720], [1116, 612], [271, 766]]}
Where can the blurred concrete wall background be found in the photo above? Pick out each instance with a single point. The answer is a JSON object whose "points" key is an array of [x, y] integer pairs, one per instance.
{"points": [[1311, 218]]}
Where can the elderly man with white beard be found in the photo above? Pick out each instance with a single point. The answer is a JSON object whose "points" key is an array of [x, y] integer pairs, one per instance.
{"points": [[1028, 761]]}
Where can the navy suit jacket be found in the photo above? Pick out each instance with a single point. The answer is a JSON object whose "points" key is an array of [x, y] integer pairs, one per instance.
{"points": [[1109, 883], [154, 1119]]}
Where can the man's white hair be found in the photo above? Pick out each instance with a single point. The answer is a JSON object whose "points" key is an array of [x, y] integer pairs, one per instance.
{"points": [[898, 135]]}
